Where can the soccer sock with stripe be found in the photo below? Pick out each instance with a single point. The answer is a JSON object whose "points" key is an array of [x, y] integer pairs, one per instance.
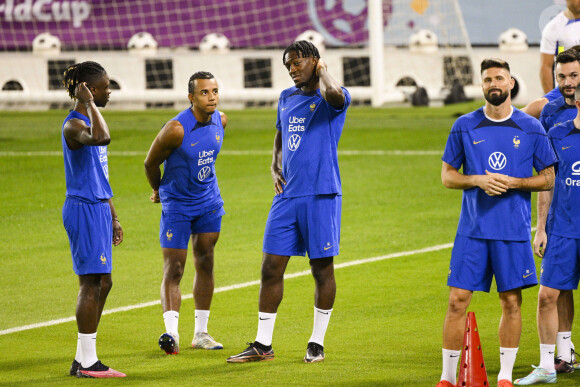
{"points": [[265, 328], [171, 320], [564, 345], [89, 348], [79, 355], [547, 357], [507, 358], [201, 318], [450, 360], [321, 319]]}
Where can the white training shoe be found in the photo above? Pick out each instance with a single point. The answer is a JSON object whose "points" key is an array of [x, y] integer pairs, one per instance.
{"points": [[537, 376], [204, 341]]}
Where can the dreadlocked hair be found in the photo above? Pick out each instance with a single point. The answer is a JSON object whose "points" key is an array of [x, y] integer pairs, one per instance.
{"points": [[81, 72], [305, 48], [198, 75]]}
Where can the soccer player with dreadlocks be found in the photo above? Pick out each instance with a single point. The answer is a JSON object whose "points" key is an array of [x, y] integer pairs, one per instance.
{"points": [[88, 214], [305, 213]]}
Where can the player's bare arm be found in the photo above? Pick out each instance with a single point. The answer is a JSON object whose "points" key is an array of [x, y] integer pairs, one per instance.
{"points": [[169, 138], [77, 133], [543, 181], [541, 237], [546, 72], [224, 119], [535, 107], [492, 184], [329, 88], [117, 229], [276, 167]]}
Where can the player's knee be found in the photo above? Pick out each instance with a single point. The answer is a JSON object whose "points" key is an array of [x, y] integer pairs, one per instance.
{"points": [[204, 261], [547, 298], [173, 270], [106, 284]]}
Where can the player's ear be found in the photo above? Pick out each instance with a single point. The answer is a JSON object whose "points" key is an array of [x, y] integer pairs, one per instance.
{"points": [[512, 82]]}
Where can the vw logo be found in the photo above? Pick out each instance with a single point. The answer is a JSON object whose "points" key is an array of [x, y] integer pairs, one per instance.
{"points": [[203, 173], [294, 142], [497, 161], [576, 168]]}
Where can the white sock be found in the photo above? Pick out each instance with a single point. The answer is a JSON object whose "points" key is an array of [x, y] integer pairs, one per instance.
{"points": [[89, 349], [547, 357], [507, 358], [564, 344], [321, 318], [79, 355], [450, 360], [171, 320], [201, 317], [265, 328]]}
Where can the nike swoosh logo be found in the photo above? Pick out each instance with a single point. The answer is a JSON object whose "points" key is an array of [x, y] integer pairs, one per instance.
{"points": [[264, 318], [326, 248], [477, 142], [566, 147], [453, 355], [566, 338], [526, 276], [550, 353], [284, 109], [322, 312], [502, 353], [195, 144]]}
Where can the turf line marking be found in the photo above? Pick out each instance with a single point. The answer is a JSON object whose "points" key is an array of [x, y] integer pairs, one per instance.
{"points": [[242, 153], [231, 287]]}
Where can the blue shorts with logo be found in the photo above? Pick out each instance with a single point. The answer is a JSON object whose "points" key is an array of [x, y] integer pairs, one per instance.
{"points": [[475, 261], [307, 224], [89, 227], [176, 227], [561, 263]]}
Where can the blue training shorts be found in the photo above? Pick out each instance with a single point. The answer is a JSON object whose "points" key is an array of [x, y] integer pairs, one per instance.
{"points": [[176, 227], [475, 261], [90, 232], [561, 263], [307, 224]]}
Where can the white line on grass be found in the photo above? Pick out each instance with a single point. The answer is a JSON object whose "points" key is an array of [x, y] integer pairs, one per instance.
{"points": [[243, 153], [231, 287]]}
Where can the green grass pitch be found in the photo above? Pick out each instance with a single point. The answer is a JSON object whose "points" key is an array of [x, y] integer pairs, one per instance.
{"points": [[387, 321]]}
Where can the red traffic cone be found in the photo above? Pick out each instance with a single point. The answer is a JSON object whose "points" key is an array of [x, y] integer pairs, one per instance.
{"points": [[472, 372]]}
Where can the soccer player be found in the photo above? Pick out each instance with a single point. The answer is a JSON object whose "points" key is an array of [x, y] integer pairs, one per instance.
{"points": [[498, 147], [567, 75], [88, 214], [559, 217], [561, 33], [191, 204], [305, 213]]}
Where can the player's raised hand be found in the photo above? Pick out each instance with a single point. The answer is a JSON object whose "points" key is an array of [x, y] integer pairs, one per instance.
{"points": [[82, 93], [493, 184], [117, 233], [279, 181]]}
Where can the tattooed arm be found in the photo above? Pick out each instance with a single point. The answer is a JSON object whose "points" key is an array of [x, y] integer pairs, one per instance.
{"points": [[543, 181]]}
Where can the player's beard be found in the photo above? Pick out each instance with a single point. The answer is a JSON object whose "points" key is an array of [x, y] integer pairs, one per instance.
{"points": [[496, 99], [570, 95]]}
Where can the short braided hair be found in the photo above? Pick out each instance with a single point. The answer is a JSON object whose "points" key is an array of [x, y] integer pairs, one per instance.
{"points": [[81, 72], [198, 75], [303, 47]]}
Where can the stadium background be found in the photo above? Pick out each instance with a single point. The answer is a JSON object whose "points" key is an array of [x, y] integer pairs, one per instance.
{"points": [[398, 220]]}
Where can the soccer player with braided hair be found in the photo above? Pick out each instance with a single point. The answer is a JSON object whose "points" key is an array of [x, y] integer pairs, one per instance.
{"points": [[88, 214], [305, 213]]}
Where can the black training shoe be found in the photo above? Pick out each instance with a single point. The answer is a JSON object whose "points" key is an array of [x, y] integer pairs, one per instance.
{"points": [[255, 352], [562, 367], [74, 368], [169, 343], [314, 353], [98, 370]]}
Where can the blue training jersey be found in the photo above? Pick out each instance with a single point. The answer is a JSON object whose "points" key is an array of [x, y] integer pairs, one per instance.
{"points": [[86, 169], [514, 147], [553, 94], [556, 112], [189, 181], [564, 215], [311, 129]]}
